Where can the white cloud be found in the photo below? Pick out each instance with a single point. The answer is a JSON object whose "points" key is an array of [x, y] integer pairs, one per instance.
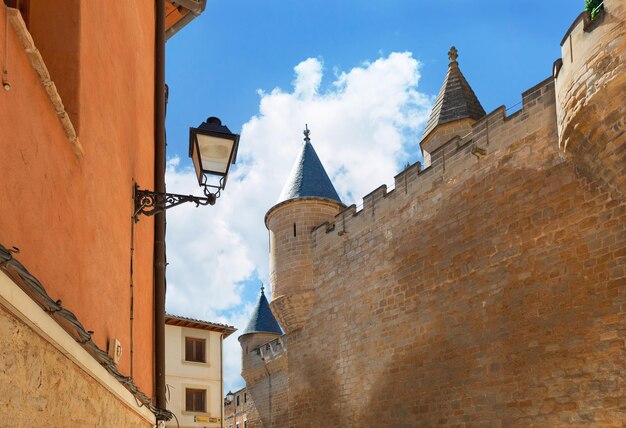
{"points": [[364, 127], [308, 78]]}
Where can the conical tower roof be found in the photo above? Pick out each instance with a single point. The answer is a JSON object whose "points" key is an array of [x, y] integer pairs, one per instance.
{"points": [[308, 178], [262, 320], [456, 99]]}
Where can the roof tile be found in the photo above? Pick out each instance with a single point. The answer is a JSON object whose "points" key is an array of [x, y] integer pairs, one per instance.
{"points": [[263, 320], [456, 99], [308, 178]]}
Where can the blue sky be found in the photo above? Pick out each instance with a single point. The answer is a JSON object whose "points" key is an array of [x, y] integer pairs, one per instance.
{"points": [[361, 73]]}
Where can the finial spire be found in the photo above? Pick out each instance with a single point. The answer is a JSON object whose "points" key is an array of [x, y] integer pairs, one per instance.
{"points": [[262, 288], [453, 54], [307, 133]]}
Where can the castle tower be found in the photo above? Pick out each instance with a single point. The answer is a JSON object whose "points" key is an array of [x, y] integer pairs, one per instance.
{"points": [[456, 109], [261, 329], [307, 200], [264, 365], [590, 83]]}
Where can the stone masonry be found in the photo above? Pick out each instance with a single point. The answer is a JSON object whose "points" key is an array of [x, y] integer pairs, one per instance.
{"points": [[486, 289], [58, 392]]}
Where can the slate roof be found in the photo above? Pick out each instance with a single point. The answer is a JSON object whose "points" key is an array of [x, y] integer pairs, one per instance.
{"points": [[262, 320], [456, 99], [308, 178]]}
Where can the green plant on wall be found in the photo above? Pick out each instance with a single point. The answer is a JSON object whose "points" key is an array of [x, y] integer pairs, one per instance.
{"points": [[594, 7]]}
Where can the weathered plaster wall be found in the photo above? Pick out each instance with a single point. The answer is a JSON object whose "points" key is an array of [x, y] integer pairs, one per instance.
{"points": [[39, 386], [71, 215]]}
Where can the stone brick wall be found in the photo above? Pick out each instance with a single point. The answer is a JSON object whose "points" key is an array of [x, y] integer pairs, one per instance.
{"points": [[245, 414], [488, 289], [441, 135], [591, 83], [265, 370], [39, 386], [291, 274]]}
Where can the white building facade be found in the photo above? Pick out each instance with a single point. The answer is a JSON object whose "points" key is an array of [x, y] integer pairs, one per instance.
{"points": [[194, 371]]}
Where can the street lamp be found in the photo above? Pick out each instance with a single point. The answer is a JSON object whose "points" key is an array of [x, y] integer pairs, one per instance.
{"points": [[230, 397], [213, 149]]}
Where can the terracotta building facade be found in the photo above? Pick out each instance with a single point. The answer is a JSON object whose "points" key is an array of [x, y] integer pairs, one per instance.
{"points": [[487, 288], [81, 121]]}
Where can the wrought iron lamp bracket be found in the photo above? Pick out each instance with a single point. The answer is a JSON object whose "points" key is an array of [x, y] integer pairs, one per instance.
{"points": [[150, 203]]}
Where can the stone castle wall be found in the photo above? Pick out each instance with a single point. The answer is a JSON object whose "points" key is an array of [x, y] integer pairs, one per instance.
{"points": [[591, 83], [464, 299], [267, 378], [39, 386], [488, 289], [291, 268]]}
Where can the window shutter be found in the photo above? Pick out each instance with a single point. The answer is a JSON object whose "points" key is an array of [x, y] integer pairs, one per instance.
{"points": [[189, 400]]}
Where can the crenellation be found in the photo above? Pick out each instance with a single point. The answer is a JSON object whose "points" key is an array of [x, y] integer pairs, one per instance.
{"points": [[371, 200], [262, 355], [452, 158], [402, 179]]}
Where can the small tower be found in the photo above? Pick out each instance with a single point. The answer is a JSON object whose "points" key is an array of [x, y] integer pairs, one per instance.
{"points": [[307, 200], [456, 109], [261, 329]]}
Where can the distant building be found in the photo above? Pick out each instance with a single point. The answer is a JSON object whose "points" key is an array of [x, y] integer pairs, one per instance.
{"points": [[194, 371], [239, 410]]}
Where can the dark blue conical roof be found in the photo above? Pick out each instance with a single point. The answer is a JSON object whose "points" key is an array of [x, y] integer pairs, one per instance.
{"points": [[308, 178], [262, 320]]}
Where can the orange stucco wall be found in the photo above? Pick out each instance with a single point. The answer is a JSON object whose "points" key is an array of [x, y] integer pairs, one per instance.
{"points": [[71, 216]]}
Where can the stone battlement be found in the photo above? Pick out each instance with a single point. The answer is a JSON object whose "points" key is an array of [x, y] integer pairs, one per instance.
{"points": [[268, 358], [271, 350], [489, 135]]}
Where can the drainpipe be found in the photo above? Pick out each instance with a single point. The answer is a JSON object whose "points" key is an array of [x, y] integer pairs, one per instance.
{"points": [[159, 219], [222, 380]]}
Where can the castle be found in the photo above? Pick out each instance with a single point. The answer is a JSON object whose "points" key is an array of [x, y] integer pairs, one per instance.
{"points": [[487, 288]]}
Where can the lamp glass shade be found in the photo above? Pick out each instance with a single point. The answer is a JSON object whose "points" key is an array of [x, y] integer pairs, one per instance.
{"points": [[212, 152], [215, 153]]}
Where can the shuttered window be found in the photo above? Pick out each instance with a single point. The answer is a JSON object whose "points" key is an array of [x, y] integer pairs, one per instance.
{"points": [[195, 400], [195, 350]]}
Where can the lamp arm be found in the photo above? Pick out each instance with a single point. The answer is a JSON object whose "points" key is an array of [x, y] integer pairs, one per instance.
{"points": [[150, 203]]}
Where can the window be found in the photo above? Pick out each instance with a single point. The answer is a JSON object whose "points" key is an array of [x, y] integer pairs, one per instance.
{"points": [[195, 400], [245, 424], [195, 350], [238, 400], [245, 397]]}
